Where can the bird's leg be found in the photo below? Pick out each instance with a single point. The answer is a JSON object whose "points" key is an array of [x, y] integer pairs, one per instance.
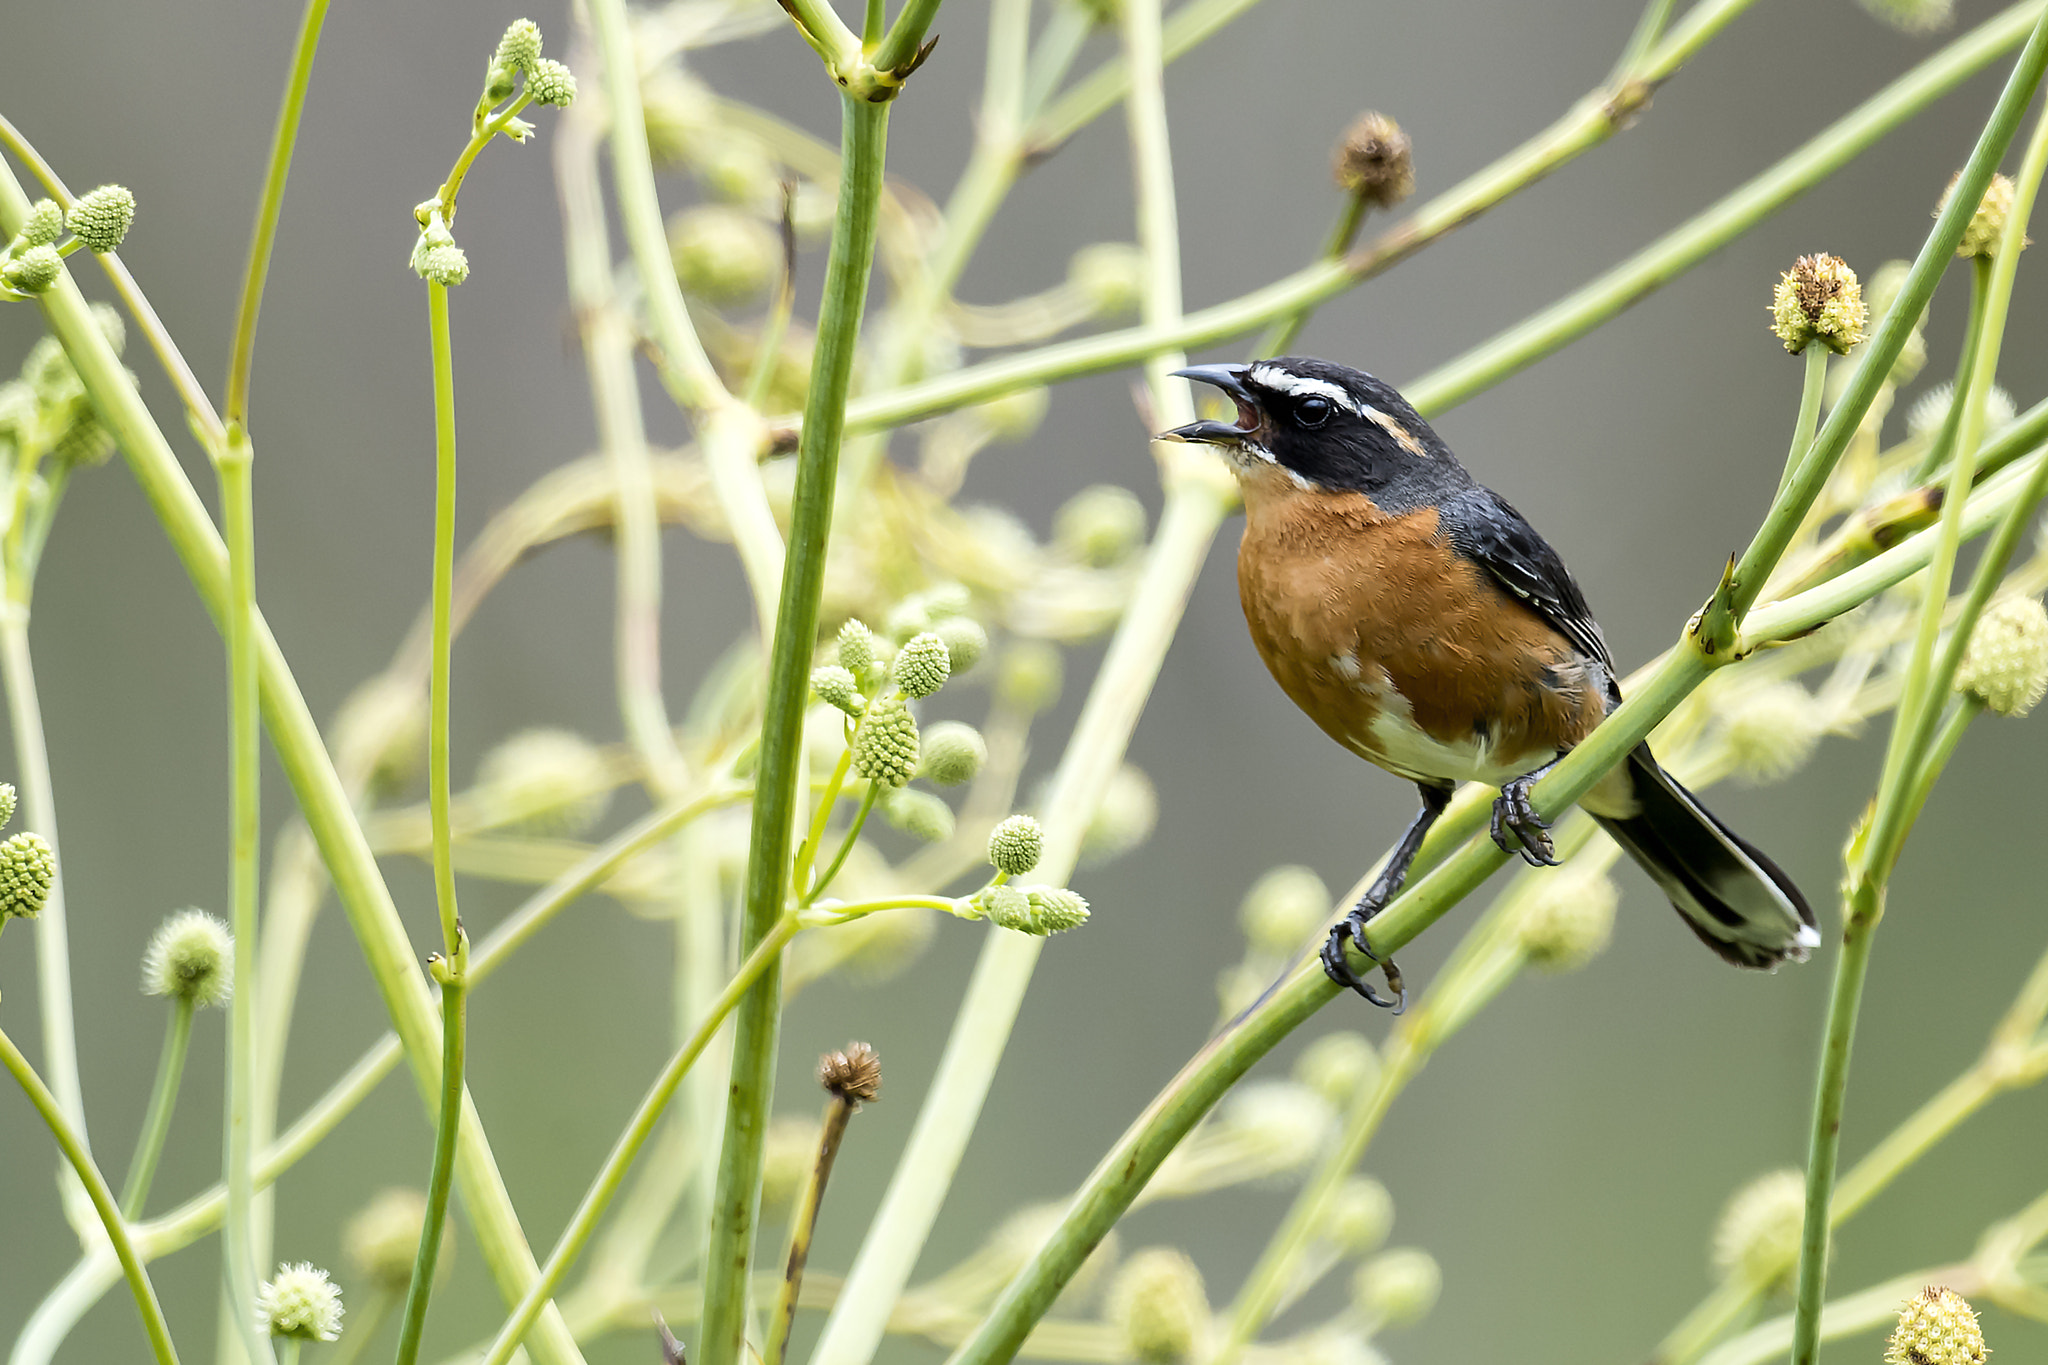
{"points": [[1383, 889], [1517, 828]]}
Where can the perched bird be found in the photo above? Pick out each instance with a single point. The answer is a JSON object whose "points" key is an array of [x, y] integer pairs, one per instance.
{"points": [[1424, 625]]}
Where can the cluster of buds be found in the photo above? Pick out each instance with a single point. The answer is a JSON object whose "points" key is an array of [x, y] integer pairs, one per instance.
{"points": [[45, 410], [1819, 299], [2005, 664], [28, 868], [34, 258]]}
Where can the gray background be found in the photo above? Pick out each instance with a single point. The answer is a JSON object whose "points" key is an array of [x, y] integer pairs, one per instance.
{"points": [[1564, 1159]]}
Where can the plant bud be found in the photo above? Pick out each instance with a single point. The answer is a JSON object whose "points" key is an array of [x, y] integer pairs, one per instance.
{"points": [[1930, 410], [835, 686], [190, 956], [885, 746], [1568, 918], [1158, 1306], [2006, 662], [922, 665], [1937, 1328], [1125, 814], [299, 1302], [1818, 299], [919, 814], [1770, 729], [1030, 677], [964, 639], [856, 647], [545, 779], [1759, 1232], [102, 217], [953, 753], [1282, 909], [1016, 414], [723, 254], [28, 868], [519, 49], [550, 82], [382, 1240], [1375, 161], [44, 224], [1100, 526], [1361, 1214], [1110, 275], [1987, 224], [1338, 1066], [1015, 844], [1398, 1287], [33, 271]]}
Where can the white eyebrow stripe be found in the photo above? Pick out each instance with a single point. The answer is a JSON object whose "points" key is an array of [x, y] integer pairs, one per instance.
{"points": [[1300, 386]]}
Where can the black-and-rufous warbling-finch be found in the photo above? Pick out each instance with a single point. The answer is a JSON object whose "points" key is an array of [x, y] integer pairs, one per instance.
{"points": [[1424, 625]]}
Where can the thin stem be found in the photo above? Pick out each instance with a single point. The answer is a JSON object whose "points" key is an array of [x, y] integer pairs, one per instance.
{"points": [[268, 207], [860, 818], [73, 1147], [163, 1098], [1944, 442], [454, 1035], [803, 1225], [906, 35], [760, 963], [1809, 413], [239, 1270], [865, 138]]}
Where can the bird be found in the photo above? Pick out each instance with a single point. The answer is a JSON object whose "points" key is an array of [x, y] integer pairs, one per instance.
{"points": [[1426, 626]]}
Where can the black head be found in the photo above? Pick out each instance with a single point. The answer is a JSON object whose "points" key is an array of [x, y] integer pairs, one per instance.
{"points": [[1330, 427]]}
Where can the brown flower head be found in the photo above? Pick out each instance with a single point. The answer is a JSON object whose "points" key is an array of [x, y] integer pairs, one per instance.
{"points": [[854, 1074], [1376, 161]]}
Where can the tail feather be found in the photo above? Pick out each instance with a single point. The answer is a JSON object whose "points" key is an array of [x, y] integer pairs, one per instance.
{"points": [[1736, 899]]}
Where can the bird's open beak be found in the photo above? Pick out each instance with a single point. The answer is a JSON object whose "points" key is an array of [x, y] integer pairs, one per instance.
{"points": [[1230, 379]]}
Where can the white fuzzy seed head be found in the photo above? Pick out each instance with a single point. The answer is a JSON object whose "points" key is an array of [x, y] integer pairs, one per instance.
{"points": [[300, 1301], [1398, 1287], [191, 957], [1158, 1306]]}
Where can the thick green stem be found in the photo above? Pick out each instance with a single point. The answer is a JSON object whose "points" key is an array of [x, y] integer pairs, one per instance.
{"points": [[156, 1120], [454, 1036], [239, 1269], [73, 1147], [763, 961], [1944, 442], [268, 207], [863, 147]]}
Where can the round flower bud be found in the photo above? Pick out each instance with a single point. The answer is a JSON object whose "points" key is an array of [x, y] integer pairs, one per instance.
{"points": [[1936, 1328], [1006, 905], [953, 753], [835, 686], [550, 82], [1014, 846], [1338, 1066], [6, 802], [85, 444], [1282, 909], [885, 745], [1770, 729], [28, 866], [1375, 161], [790, 1148], [2006, 661], [1158, 1306], [922, 665], [1282, 1123], [1818, 299], [1398, 1287], [382, 1240], [1110, 275], [191, 956], [44, 224], [545, 779], [101, 218], [1360, 1215], [1055, 909], [856, 647], [1100, 526], [1015, 415], [1987, 224], [1568, 918], [723, 254], [919, 814], [33, 271], [1124, 815], [739, 171], [1030, 676], [1759, 1232], [965, 641], [519, 49], [1924, 419], [1912, 16], [299, 1302]]}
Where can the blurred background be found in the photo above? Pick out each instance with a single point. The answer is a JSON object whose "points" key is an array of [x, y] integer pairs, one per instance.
{"points": [[1564, 1159]]}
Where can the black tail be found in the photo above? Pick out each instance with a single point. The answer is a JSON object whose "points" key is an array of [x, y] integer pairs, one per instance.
{"points": [[1728, 892]]}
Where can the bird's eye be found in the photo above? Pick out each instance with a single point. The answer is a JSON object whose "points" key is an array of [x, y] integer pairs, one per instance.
{"points": [[1312, 412]]}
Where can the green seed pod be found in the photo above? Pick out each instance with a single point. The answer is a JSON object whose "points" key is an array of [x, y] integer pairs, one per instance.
{"points": [[1158, 1306], [1015, 845], [85, 444], [885, 746], [1006, 906], [190, 956], [32, 271], [1125, 815], [953, 753], [2006, 661], [835, 686], [382, 1239], [102, 217], [1360, 1216], [919, 814], [444, 265], [965, 641], [299, 1302], [1398, 1287], [1282, 909], [1760, 1229], [28, 868], [1100, 525], [723, 254], [550, 82], [1031, 675], [922, 665], [44, 224], [1937, 1327]]}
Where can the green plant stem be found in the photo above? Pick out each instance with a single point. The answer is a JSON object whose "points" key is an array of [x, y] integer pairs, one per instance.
{"points": [[803, 1225], [860, 818], [1874, 1307], [736, 1203], [1901, 787], [156, 1120], [760, 963], [1809, 413], [73, 1147], [1944, 442], [1101, 90], [239, 1271], [269, 206], [454, 1034], [906, 35]]}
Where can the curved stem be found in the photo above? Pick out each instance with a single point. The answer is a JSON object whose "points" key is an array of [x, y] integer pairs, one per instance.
{"points": [[860, 818], [156, 1121], [760, 962], [267, 210], [74, 1150]]}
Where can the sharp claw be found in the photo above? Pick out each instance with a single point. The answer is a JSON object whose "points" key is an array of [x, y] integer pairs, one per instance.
{"points": [[1338, 968]]}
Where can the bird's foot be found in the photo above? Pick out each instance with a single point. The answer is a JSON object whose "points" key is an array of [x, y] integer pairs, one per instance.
{"points": [[1351, 929], [1517, 828]]}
